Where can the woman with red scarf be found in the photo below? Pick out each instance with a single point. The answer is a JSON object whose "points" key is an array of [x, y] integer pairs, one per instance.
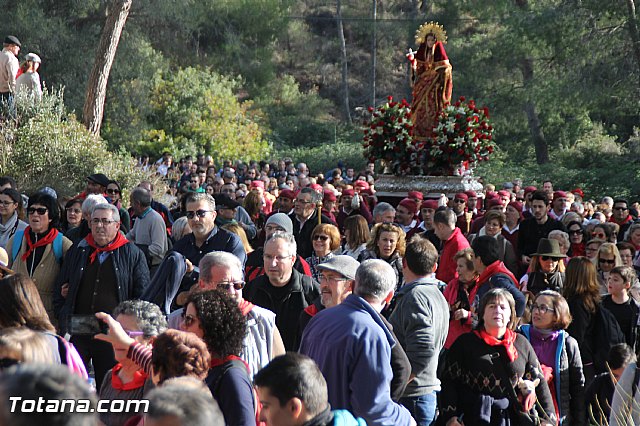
{"points": [[40, 247], [492, 375], [460, 294]]}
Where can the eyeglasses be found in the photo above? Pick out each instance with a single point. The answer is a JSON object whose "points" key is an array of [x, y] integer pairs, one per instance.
{"points": [[543, 309], [607, 261], [40, 210], [459, 200], [105, 222], [268, 258], [620, 208], [299, 201], [270, 228], [7, 203], [322, 238], [76, 211], [200, 213], [575, 232], [598, 235], [226, 285], [332, 279], [187, 319], [195, 181], [546, 258], [113, 191]]}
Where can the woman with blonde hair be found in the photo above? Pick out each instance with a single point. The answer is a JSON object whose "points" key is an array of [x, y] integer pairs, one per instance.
{"points": [[239, 231], [387, 242], [608, 257], [356, 234], [22, 345]]}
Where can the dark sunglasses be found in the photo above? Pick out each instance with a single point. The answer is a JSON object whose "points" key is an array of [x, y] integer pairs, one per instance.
{"points": [[200, 213], [575, 232], [113, 191], [226, 285], [187, 319], [39, 210], [607, 261], [320, 238], [459, 200], [545, 258], [620, 208]]}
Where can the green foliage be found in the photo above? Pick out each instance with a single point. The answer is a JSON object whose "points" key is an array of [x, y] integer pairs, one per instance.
{"points": [[50, 147], [323, 158], [196, 110], [295, 118]]}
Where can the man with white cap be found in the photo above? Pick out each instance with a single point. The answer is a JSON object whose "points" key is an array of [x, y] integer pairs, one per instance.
{"points": [[8, 70]]}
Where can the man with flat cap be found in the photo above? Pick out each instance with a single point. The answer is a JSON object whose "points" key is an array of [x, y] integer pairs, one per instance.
{"points": [[9, 66], [96, 184]]}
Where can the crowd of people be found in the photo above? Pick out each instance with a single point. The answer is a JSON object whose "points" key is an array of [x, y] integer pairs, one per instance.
{"points": [[258, 292]]}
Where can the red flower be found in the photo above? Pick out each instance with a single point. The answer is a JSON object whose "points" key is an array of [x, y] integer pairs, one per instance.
{"points": [[370, 109], [389, 98]]}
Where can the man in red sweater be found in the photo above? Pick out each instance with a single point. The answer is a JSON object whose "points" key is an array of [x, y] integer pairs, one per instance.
{"points": [[444, 225]]}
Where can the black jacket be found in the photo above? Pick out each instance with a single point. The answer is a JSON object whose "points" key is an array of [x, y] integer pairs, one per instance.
{"points": [[303, 290], [531, 232], [303, 236], [131, 271]]}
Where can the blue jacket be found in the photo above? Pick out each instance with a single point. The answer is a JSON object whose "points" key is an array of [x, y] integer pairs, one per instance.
{"points": [[568, 378], [352, 347]]}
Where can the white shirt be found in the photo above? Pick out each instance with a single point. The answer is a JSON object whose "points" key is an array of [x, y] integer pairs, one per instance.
{"points": [[8, 69]]}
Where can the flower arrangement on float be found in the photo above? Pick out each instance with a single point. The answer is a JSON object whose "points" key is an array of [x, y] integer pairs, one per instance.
{"points": [[463, 135], [462, 138], [388, 137]]}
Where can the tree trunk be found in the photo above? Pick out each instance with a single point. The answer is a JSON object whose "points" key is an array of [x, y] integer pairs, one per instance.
{"points": [[635, 38], [93, 110], [343, 48], [374, 52], [535, 127]]}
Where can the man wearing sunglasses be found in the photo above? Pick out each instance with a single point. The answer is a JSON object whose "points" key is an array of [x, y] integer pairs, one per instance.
{"points": [[621, 216], [222, 270], [98, 273]]}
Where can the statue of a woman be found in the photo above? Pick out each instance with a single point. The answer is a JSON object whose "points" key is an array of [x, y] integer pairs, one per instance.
{"points": [[431, 79]]}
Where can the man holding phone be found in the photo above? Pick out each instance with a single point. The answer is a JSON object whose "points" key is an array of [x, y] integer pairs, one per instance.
{"points": [[98, 272]]}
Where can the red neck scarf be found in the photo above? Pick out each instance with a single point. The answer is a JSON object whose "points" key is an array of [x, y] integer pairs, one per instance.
{"points": [[215, 362], [139, 377], [496, 267], [245, 306], [507, 341], [118, 242], [47, 239]]}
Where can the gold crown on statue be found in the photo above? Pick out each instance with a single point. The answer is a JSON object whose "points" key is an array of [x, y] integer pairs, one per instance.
{"points": [[431, 28]]}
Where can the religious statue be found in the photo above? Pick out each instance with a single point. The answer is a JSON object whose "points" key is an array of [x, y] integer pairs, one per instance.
{"points": [[430, 78]]}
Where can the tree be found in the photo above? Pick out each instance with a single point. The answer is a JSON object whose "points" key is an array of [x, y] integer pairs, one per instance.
{"points": [[97, 88]]}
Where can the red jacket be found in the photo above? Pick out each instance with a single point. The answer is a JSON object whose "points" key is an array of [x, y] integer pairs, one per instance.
{"points": [[447, 266]]}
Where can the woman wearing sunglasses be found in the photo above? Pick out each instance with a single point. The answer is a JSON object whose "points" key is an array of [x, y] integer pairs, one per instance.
{"points": [[143, 322], [546, 270], [326, 240], [559, 355], [608, 257], [114, 192], [38, 250], [11, 215], [576, 239]]}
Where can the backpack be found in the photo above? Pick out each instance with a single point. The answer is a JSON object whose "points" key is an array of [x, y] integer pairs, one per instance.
{"points": [[56, 246], [605, 332]]}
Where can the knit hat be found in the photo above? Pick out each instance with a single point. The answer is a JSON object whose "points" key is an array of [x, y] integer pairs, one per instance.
{"points": [[516, 205], [471, 194], [461, 196], [493, 202], [329, 196], [415, 195], [342, 264], [529, 189], [361, 184], [348, 192], [409, 204], [256, 184], [281, 220], [429, 204], [559, 194], [287, 193], [578, 191]]}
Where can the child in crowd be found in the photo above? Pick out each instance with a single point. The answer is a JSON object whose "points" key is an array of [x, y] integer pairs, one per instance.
{"points": [[623, 307]]}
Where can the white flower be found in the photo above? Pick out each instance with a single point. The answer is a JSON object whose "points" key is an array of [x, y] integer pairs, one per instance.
{"points": [[459, 140], [460, 110], [380, 130], [442, 139], [439, 127], [451, 126]]}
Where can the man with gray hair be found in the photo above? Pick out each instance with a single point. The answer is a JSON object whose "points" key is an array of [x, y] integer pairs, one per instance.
{"points": [[79, 232], [149, 232], [352, 346], [282, 289], [98, 272], [222, 270], [383, 213], [304, 218]]}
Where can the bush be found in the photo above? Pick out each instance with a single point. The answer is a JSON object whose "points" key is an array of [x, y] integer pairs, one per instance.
{"points": [[49, 147], [324, 158]]}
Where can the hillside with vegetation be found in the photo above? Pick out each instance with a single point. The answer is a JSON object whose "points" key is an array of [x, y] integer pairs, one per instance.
{"points": [[257, 79]]}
